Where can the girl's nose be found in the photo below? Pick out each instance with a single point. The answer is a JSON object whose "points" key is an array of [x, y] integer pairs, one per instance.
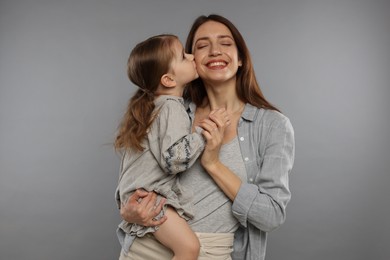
{"points": [[190, 56]]}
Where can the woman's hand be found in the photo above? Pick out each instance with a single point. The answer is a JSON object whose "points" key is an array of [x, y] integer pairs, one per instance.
{"points": [[214, 128], [140, 209]]}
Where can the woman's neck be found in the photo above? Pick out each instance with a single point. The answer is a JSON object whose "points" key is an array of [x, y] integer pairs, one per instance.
{"points": [[223, 97]]}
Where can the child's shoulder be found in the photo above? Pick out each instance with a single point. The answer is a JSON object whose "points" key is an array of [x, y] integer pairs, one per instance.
{"points": [[169, 101]]}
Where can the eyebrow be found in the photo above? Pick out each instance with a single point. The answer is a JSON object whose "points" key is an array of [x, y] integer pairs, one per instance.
{"points": [[219, 37]]}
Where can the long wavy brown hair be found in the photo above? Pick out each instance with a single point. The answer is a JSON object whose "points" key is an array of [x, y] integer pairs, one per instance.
{"points": [[147, 63], [247, 88]]}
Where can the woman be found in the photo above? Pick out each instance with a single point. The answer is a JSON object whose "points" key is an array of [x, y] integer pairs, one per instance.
{"points": [[245, 195]]}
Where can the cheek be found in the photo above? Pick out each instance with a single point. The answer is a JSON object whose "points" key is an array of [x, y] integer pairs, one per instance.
{"points": [[197, 64], [198, 56]]}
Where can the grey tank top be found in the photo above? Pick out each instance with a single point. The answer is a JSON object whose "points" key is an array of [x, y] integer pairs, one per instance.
{"points": [[212, 208]]}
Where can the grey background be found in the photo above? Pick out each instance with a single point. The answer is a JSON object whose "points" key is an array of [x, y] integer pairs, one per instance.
{"points": [[63, 89]]}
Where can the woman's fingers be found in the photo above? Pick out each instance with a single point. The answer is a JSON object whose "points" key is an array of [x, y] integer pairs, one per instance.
{"points": [[138, 196], [218, 120], [141, 209], [220, 117], [209, 128], [156, 212], [208, 125], [148, 201]]}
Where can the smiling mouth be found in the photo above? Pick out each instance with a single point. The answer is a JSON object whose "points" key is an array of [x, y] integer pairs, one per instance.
{"points": [[216, 64]]}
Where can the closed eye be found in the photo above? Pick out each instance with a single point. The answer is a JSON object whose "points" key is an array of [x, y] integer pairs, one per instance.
{"points": [[226, 43], [201, 46]]}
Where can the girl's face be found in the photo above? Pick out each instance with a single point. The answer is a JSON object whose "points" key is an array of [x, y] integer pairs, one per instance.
{"points": [[183, 65], [215, 52]]}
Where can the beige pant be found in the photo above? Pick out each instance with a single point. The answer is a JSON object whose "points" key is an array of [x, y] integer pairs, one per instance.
{"points": [[216, 246]]}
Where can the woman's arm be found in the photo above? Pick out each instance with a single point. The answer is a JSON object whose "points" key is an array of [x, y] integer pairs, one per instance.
{"points": [[263, 200], [214, 129]]}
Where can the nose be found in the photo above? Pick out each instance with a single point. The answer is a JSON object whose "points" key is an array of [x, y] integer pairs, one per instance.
{"points": [[190, 56], [215, 51]]}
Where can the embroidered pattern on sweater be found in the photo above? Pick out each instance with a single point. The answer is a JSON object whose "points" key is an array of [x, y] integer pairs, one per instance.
{"points": [[176, 161]]}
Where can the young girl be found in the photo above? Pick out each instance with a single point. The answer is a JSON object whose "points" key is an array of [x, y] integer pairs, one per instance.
{"points": [[156, 140]]}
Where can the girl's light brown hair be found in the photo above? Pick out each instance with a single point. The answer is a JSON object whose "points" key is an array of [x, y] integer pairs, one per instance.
{"points": [[247, 88], [147, 63]]}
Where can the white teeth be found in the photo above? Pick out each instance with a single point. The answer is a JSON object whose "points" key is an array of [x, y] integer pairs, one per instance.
{"points": [[218, 63]]}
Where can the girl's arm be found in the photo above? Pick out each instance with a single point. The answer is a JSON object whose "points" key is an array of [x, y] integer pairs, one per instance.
{"points": [[171, 141]]}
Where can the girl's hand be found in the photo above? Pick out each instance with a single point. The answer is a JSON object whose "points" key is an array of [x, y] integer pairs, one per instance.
{"points": [[140, 209], [214, 128]]}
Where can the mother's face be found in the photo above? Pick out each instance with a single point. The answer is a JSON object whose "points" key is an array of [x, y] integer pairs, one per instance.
{"points": [[215, 52]]}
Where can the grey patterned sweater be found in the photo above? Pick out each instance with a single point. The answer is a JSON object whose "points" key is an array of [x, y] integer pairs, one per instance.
{"points": [[170, 148]]}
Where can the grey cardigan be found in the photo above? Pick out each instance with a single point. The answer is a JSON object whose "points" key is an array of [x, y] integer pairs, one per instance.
{"points": [[267, 148]]}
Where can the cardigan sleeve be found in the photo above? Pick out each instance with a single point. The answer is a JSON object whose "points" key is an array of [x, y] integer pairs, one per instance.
{"points": [[263, 200], [174, 146]]}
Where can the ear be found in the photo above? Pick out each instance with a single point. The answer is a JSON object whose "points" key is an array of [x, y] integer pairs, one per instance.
{"points": [[168, 81], [239, 62]]}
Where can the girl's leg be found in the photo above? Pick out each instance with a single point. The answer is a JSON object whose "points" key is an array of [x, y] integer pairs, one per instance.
{"points": [[175, 234]]}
